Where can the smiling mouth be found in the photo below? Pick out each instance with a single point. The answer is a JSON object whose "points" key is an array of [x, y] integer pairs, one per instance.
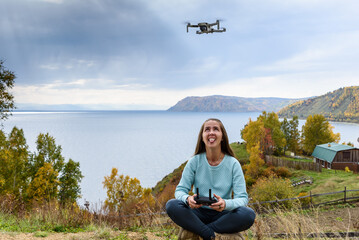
{"points": [[211, 140]]}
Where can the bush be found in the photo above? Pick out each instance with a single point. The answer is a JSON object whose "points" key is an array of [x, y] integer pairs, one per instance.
{"points": [[282, 172], [304, 201], [272, 188], [268, 171]]}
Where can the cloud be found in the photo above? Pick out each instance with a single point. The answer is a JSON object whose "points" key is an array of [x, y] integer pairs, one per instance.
{"points": [[71, 49]]}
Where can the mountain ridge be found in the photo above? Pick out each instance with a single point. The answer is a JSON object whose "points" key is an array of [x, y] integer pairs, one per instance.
{"points": [[340, 105], [220, 103]]}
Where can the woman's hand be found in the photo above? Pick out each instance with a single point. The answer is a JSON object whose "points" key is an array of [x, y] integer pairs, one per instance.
{"points": [[192, 203], [218, 206]]}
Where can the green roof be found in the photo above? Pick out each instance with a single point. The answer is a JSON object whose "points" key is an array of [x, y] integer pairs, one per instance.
{"points": [[328, 151]]}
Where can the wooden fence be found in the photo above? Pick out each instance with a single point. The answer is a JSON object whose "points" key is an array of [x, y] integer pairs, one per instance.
{"points": [[311, 166], [345, 198]]}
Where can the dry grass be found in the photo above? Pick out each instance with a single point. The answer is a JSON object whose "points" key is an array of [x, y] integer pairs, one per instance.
{"points": [[298, 223], [53, 221]]}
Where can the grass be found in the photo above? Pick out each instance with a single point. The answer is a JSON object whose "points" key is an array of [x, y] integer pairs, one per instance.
{"points": [[287, 221], [328, 181], [297, 221], [296, 159], [240, 152]]}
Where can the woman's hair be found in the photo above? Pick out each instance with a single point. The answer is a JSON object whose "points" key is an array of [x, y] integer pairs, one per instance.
{"points": [[225, 148]]}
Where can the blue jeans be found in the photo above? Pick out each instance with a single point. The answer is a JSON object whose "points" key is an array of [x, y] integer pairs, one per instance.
{"points": [[205, 222]]}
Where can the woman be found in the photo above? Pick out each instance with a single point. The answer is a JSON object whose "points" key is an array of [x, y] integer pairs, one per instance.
{"points": [[212, 167]]}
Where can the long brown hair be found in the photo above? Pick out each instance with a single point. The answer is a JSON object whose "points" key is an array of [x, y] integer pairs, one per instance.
{"points": [[225, 148]]}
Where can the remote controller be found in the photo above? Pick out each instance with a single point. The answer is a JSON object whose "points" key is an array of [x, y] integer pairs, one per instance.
{"points": [[205, 200]]}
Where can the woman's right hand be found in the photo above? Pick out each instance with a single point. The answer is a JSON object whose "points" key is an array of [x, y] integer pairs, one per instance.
{"points": [[192, 203]]}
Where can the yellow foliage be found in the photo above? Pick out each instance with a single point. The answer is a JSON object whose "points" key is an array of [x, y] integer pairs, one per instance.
{"points": [[125, 194], [256, 163], [253, 133], [272, 188], [44, 185], [304, 201]]}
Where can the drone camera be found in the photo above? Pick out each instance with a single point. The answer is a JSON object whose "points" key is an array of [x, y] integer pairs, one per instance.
{"points": [[203, 28]]}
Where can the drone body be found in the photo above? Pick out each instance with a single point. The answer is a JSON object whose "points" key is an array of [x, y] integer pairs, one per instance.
{"points": [[206, 27]]}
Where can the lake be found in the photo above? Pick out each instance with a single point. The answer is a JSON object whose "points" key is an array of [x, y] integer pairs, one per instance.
{"points": [[147, 145]]}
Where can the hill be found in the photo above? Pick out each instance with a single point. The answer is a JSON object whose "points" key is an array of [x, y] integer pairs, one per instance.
{"points": [[219, 103], [341, 105]]}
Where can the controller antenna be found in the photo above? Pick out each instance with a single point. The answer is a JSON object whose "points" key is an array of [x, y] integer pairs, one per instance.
{"points": [[210, 194]]}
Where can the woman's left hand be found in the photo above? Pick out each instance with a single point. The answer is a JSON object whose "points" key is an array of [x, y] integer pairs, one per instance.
{"points": [[218, 206]]}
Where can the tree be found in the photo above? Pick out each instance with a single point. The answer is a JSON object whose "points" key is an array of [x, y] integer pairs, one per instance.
{"points": [[271, 121], [266, 130], [45, 184], [254, 168], [47, 166], [19, 160], [125, 194], [47, 152], [6, 98], [70, 182], [317, 130], [253, 133], [291, 133], [13, 162]]}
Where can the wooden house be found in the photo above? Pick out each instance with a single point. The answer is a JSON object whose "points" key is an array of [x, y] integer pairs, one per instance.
{"points": [[337, 156]]}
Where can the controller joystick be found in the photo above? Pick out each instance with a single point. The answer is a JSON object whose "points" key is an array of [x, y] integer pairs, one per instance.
{"points": [[205, 200]]}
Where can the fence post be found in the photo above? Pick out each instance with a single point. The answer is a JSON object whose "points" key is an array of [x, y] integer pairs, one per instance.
{"points": [[311, 201], [345, 194]]}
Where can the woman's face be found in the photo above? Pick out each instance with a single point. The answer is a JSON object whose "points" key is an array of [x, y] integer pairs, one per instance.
{"points": [[212, 134]]}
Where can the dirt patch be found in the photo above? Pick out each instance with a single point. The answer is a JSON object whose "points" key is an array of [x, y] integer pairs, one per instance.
{"points": [[82, 236]]}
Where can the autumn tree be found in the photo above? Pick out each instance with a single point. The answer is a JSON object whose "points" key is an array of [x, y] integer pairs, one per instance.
{"points": [[45, 184], [47, 152], [70, 182], [266, 131], [255, 166], [50, 176], [317, 130], [13, 162], [253, 134], [125, 194], [6, 98], [271, 122]]}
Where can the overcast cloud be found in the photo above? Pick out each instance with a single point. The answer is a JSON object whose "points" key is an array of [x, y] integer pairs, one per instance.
{"points": [[134, 54]]}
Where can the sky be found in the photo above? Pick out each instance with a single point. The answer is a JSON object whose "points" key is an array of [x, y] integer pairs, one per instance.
{"points": [[137, 54]]}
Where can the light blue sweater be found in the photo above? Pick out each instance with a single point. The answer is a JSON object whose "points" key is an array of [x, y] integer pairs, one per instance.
{"points": [[222, 179]]}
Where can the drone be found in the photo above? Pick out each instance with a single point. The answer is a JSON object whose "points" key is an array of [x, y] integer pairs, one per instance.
{"points": [[206, 27]]}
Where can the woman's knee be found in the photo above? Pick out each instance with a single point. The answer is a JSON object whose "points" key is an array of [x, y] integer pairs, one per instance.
{"points": [[246, 213], [251, 215], [172, 205]]}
